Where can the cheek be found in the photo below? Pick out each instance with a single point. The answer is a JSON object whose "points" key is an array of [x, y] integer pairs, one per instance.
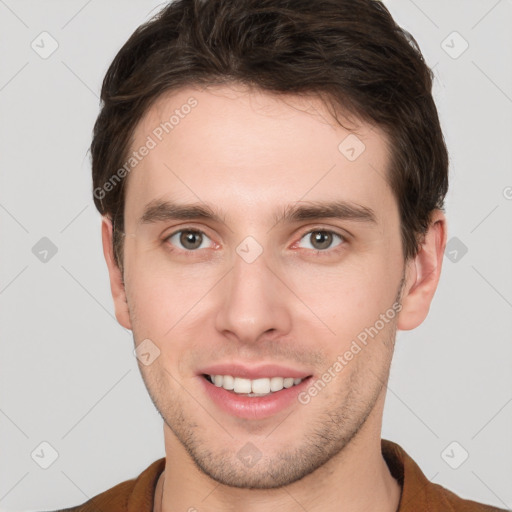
{"points": [[163, 296], [162, 310], [347, 298]]}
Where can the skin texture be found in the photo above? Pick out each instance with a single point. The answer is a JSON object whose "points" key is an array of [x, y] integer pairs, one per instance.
{"points": [[250, 154]]}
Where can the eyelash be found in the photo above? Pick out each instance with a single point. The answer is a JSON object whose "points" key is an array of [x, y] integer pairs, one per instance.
{"points": [[318, 252]]}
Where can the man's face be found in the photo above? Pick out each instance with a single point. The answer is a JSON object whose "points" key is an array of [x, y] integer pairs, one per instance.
{"points": [[251, 288]]}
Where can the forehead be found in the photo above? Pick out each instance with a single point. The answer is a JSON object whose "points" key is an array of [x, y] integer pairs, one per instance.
{"points": [[248, 151]]}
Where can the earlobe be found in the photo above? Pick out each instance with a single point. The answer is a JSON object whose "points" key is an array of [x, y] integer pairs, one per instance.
{"points": [[423, 274], [117, 287]]}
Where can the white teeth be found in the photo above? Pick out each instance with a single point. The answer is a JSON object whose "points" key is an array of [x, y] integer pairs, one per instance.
{"points": [[256, 387], [261, 386], [288, 382], [242, 385], [228, 382], [276, 383]]}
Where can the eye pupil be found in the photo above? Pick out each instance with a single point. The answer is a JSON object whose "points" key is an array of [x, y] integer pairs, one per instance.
{"points": [[190, 239], [322, 238]]}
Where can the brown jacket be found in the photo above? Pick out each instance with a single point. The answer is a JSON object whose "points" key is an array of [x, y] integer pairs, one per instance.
{"points": [[418, 493]]}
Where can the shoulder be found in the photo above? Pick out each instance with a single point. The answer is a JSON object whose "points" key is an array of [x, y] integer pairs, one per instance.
{"points": [[418, 492], [136, 494], [450, 501], [112, 500]]}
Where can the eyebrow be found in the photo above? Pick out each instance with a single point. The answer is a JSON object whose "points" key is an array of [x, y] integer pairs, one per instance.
{"points": [[312, 210], [161, 210]]}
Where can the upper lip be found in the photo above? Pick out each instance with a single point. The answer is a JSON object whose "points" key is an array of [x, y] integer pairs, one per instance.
{"points": [[254, 372]]}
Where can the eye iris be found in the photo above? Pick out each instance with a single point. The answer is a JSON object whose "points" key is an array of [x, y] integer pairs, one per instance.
{"points": [[321, 239], [190, 239]]}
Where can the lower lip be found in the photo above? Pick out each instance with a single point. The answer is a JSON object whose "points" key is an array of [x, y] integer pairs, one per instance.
{"points": [[253, 408]]}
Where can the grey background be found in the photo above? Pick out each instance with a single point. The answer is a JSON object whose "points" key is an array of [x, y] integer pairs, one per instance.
{"points": [[67, 371]]}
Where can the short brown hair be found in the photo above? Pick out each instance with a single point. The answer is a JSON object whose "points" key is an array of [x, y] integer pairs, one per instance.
{"points": [[350, 53]]}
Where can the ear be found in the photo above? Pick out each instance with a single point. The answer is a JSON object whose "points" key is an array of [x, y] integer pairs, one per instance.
{"points": [[422, 275], [115, 274]]}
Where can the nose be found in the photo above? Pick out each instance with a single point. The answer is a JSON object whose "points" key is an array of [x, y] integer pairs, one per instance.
{"points": [[254, 302]]}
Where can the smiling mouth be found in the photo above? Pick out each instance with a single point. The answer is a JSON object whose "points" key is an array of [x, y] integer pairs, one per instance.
{"points": [[253, 387]]}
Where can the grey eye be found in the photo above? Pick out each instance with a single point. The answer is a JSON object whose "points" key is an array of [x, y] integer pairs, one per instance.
{"points": [[322, 239], [189, 239]]}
